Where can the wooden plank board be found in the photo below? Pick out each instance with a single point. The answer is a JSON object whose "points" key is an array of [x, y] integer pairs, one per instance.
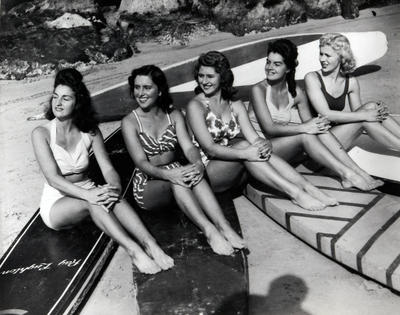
{"points": [[50, 272], [362, 232]]}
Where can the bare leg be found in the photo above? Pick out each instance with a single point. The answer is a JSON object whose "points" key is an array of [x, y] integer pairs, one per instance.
{"points": [[382, 131], [223, 175], [65, 212], [320, 153], [287, 171], [340, 153], [211, 207], [190, 206], [132, 223]]}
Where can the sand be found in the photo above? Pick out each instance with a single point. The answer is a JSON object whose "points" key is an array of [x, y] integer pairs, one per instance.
{"points": [[21, 184]]}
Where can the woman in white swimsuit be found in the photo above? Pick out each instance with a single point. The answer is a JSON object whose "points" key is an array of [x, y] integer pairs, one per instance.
{"points": [[279, 111], [62, 151]]}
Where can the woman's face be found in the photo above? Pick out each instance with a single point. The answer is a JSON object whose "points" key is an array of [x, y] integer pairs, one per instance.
{"points": [[209, 80], [145, 91], [63, 101], [275, 67], [329, 58]]}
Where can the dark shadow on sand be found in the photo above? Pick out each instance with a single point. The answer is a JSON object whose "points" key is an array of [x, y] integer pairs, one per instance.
{"points": [[285, 297], [363, 70]]}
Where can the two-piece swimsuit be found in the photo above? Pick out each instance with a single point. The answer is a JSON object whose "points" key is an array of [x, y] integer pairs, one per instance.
{"points": [[167, 141], [69, 163], [221, 132], [285, 116]]}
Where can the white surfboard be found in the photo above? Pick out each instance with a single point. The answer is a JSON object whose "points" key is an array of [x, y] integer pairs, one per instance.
{"points": [[253, 72]]}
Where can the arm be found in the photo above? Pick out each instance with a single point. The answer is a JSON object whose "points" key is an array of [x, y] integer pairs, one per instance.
{"points": [[192, 154], [318, 101], [259, 146], [52, 173], [196, 119]]}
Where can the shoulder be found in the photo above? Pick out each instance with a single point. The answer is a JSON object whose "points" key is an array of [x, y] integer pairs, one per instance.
{"points": [[176, 115], [42, 131], [259, 87], [238, 107], [129, 121], [196, 105], [311, 76]]}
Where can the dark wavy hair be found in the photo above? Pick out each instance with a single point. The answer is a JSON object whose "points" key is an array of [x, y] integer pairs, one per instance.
{"points": [[83, 115], [288, 51], [164, 100], [221, 65]]}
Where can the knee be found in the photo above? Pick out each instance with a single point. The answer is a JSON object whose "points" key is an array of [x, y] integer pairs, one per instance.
{"points": [[369, 106]]}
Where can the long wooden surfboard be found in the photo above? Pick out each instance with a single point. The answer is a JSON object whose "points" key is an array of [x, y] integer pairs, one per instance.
{"points": [[51, 272]]}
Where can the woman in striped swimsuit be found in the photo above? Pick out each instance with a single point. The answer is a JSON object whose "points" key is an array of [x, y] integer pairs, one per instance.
{"points": [[154, 134]]}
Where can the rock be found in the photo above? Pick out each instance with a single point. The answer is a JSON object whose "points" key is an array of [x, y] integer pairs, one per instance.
{"points": [[321, 9], [241, 17], [153, 6], [68, 20]]}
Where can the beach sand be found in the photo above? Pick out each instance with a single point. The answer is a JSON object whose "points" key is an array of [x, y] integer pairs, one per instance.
{"points": [[21, 181]]}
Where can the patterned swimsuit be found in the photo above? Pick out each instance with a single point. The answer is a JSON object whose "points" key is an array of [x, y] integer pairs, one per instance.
{"points": [[221, 132], [152, 147]]}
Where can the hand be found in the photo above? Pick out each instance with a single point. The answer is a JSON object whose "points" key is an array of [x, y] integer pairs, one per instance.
{"points": [[383, 110], [102, 195], [254, 154], [181, 175], [195, 174], [317, 125], [264, 147], [373, 115]]}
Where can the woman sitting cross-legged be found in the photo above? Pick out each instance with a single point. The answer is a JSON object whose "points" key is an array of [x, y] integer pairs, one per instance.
{"points": [[279, 111], [219, 124], [153, 133], [62, 150]]}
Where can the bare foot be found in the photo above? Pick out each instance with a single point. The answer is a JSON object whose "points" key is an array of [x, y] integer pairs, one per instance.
{"points": [[352, 179], [218, 243], [372, 182], [145, 264], [159, 256], [308, 202], [320, 195], [233, 238]]}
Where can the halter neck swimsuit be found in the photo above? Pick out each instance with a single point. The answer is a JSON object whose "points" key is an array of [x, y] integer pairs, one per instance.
{"points": [[221, 132], [167, 141], [74, 162], [286, 115], [335, 103]]}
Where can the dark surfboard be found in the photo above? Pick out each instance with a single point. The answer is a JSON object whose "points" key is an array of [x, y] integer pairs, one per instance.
{"points": [[201, 282], [50, 272]]}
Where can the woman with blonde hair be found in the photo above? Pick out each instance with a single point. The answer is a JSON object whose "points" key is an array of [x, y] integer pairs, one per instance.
{"points": [[335, 94]]}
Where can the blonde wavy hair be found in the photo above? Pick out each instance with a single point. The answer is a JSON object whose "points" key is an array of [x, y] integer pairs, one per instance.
{"points": [[341, 45]]}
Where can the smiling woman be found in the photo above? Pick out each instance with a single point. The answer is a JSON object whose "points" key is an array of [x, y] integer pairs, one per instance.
{"points": [[62, 150], [154, 134]]}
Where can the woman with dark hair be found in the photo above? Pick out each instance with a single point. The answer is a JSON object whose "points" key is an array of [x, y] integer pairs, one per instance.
{"points": [[62, 150], [217, 122], [154, 133], [335, 93], [279, 111]]}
